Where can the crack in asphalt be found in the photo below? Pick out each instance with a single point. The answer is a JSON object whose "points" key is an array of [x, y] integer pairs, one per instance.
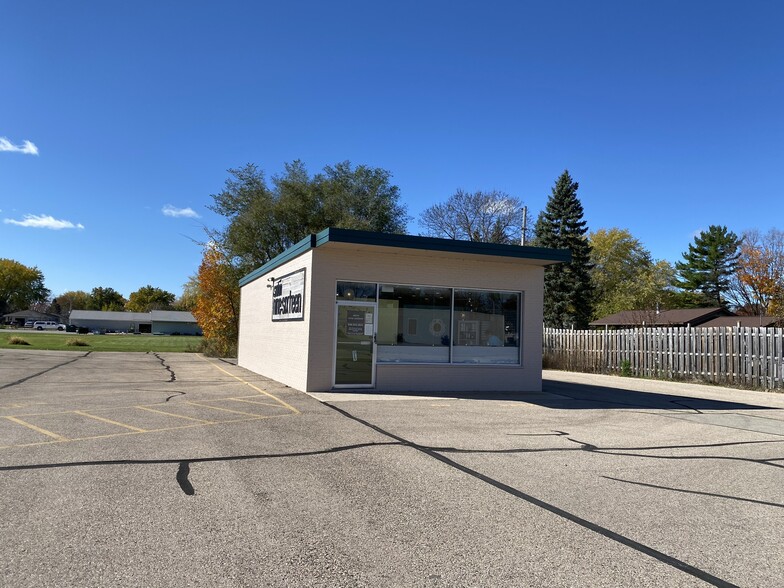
{"points": [[686, 406], [167, 367], [697, 492], [603, 531], [184, 468], [54, 367], [626, 452], [553, 434]]}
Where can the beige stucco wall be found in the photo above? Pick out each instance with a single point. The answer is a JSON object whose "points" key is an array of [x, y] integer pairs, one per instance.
{"points": [[337, 261], [277, 350], [301, 353]]}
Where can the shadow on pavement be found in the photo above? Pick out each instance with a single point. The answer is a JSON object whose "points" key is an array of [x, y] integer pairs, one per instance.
{"points": [[567, 395], [583, 396]]}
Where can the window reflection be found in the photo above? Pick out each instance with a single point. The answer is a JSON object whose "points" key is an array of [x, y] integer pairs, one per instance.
{"points": [[426, 324], [486, 327], [360, 291], [413, 324]]}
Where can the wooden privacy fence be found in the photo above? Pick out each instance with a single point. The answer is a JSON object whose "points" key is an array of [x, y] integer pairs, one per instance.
{"points": [[736, 356]]}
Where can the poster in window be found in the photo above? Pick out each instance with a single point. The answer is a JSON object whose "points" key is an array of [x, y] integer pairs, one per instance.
{"points": [[355, 323]]}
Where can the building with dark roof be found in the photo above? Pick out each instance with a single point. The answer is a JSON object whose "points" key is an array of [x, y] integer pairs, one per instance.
{"points": [[354, 309], [680, 317], [163, 322], [745, 321], [19, 318]]}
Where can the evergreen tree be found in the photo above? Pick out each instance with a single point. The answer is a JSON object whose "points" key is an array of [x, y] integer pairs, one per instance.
{"points": [[568, 292], [710, 263]]}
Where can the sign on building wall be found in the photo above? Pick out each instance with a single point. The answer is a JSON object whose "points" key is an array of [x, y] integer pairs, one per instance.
{"points": [[288, 297]]}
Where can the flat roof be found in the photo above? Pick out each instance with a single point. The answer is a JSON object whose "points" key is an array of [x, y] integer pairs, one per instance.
{"points": [[172, 316], [350, 236]]}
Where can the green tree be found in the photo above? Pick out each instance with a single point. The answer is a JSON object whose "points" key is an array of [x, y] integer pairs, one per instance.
{"points": [[624, 275], [568, 291], [709, 264], [358, 198], [264, 221], [489, 217], [64, 303], [20, 286], [107, 299], [149, 298], [190, 294], [686, 299]]}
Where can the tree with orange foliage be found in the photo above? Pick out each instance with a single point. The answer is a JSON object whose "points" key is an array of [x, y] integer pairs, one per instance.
{"points": [[758, 285], [217, 307]]}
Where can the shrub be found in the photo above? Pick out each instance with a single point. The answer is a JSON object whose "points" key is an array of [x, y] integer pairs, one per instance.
{"points": [[217, 348], [77, 343], [626, 368], [17, 341]]}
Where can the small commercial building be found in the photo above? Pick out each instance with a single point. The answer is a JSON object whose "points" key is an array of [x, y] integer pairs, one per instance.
{"points": [[159, 322], [360, 310], [22, 317]]}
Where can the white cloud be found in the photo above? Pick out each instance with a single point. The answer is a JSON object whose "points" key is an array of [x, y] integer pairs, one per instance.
{"points": [[170, 210], [43, 221], [27, 147]]}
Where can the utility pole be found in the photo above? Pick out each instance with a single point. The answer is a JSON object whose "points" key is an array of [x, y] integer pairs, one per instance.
{"points": [[525, 225]]}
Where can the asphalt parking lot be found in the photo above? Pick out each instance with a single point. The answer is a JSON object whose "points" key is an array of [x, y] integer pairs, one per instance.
{"points": [[178, 470]]}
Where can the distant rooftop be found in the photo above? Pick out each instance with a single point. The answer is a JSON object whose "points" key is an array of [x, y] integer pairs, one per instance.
{"points": [[679, 317], [744, 321], [169, 316]]}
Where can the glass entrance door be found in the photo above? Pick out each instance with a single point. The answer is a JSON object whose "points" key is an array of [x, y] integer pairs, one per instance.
{"points": [[355, 362]]}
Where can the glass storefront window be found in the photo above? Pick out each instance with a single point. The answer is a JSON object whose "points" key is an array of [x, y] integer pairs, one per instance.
{"points": [[413, 324], [356, 291], [486, 328], [426, 324]]}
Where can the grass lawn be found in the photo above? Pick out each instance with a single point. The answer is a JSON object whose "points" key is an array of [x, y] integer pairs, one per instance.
{"points": [[58, 342]]}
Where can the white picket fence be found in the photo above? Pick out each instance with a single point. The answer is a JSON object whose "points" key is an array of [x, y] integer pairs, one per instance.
{"points": [[735, 356]]}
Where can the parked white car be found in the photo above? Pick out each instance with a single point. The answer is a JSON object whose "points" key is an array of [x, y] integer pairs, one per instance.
{"points": [[48, 325]]}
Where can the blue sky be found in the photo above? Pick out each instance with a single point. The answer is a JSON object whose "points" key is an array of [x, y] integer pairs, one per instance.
{"points": [[668, 114]]}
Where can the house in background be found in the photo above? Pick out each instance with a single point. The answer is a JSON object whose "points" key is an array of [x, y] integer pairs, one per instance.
{"points": [[159, 322], [745, 321], [680, 317], [683, 317], [19, 318]]}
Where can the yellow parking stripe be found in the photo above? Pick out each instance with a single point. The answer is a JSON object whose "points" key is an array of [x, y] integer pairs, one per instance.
{"points": [[223, 409], [252, 402], [60, 439], [259, 390], [36, 429], [111, 422], [179, 416]]}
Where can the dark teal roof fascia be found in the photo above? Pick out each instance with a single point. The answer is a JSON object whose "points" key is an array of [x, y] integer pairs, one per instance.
{"points": [[436, 244], [299, 248], [332, 235]]}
